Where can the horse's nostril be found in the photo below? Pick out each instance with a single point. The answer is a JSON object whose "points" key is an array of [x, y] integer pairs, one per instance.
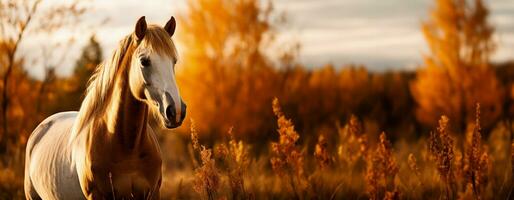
{"points": [[183, 113], [170, 112]]}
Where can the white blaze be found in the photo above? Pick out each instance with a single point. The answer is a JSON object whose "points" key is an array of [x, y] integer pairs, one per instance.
{"points": [[164, 78]]}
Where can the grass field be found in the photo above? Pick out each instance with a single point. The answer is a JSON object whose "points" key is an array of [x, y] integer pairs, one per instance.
{"points": [[354, 165]]}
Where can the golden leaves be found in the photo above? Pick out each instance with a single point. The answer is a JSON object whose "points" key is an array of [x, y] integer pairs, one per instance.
{"points": [[457, 72]]}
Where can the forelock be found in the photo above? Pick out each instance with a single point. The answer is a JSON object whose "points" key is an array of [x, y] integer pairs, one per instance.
{"points": [[158, 40]]}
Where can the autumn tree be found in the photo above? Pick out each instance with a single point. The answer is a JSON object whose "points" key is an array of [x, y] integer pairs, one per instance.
{"points": [[20, 20], [66, 93], [86, 64], [224, 75], [457, 72]]}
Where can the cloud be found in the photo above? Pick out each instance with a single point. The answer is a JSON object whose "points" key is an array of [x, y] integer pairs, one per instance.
{"points": [[380, 34]]}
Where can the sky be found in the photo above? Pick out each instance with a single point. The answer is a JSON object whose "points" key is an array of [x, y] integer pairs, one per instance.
{"points": [[382, 35], [379, 34]]}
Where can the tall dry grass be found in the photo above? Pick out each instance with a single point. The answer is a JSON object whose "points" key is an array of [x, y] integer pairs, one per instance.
{"points": [[441, 148], [381, 171], [352, 164], [349, 163]]}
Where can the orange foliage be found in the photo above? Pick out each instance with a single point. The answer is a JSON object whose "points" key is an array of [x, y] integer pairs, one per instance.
{"points": [[457, 73], [22, 97], [223, 74]]}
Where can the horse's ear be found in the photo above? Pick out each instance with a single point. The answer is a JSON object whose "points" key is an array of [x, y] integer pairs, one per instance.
{"points": [[170, 26], [140, 28]]}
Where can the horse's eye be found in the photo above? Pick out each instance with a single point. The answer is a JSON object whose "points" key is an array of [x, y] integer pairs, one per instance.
{"points": [[145, 62]]}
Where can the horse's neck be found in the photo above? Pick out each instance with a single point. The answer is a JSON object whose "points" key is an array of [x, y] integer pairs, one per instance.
{"points": [[126, 117]]}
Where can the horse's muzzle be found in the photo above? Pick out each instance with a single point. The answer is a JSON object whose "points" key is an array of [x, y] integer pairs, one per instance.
{"points": [[171, 116]]}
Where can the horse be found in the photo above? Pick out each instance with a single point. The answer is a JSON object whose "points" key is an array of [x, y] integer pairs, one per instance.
{"points": [[107, 150]]}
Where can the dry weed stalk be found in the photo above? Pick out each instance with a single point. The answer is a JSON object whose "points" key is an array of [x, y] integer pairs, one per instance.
{"points": [[413, 166], [353, 142], [441, 146], [392, 195], [381, 171], [458, 165], [207, 178], [477, 160], [235, 155], [194, 136], [321, 153], [287, 158]]}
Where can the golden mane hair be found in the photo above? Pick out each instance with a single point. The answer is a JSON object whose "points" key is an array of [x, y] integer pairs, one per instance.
{"points": [[102, 82]]}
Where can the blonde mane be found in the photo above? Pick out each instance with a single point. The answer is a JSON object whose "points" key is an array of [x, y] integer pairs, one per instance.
{"points": [[102, 82]]}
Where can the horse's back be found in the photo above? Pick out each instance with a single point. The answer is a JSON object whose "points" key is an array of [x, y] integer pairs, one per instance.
{"points": [[49, 170]]}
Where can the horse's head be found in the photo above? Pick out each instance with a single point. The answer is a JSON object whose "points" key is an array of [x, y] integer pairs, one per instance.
{"points": [[152, 71]]}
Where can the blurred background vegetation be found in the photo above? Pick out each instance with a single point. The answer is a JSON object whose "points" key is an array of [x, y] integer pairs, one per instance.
{"points": [[229, 82]]}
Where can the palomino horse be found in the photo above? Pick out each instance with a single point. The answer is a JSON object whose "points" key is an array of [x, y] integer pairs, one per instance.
{"points": [[107, 150]]}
